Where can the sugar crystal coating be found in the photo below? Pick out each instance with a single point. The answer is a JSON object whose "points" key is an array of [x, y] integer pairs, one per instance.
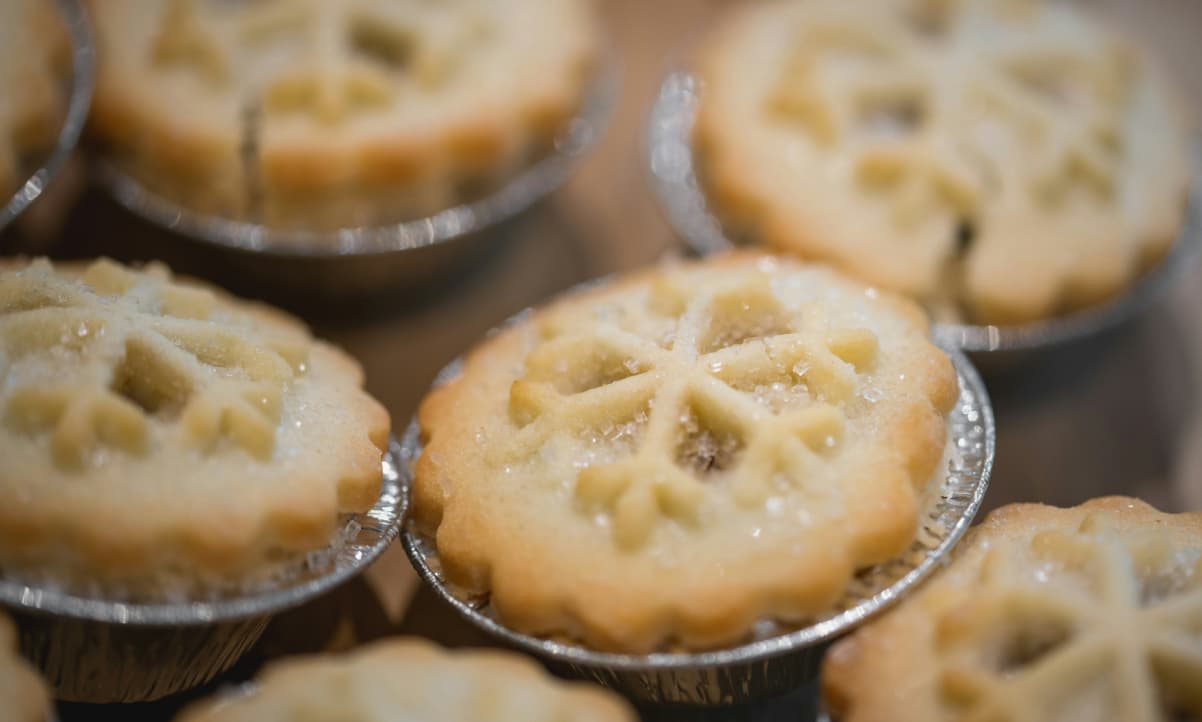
{"points": [[328, 115], [692, 432], [124, 355], [1006, 160], [1088, 613], [160, 435]]}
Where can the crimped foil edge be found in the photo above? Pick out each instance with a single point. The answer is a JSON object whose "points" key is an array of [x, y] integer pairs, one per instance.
{"points": [[373, 531], [671, 165], [763, 667], [515, 195]]}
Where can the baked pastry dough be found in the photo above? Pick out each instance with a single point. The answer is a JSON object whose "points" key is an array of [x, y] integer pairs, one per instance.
{"points": [[313, 114], [25, 696], [160, 436], [415, 681], [33, 47], [1089, 614], [670, 457], [1003, 159]]}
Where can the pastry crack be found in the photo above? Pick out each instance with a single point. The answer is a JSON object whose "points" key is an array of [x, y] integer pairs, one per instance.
{"points": [[877, 87], [358, 48]]}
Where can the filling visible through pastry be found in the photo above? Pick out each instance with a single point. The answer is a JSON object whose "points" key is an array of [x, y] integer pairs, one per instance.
{"points": [[1089, 614], [161, 438], [1003, 160], [319, 115], [675, 455]]}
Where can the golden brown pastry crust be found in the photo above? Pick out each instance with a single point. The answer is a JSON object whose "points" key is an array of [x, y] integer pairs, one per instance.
{"points": [[412, 679], [160, 434], [319, 115], [671, 456], [24, 694], [1087, 613], [874, 134]]}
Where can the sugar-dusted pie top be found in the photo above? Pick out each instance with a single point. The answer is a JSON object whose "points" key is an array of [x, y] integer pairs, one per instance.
{"points": [[415, 681], [157, 433], [674, 455], [33, 45], [24, 694], [316, 114], [1011, 159], [1092, 613]]}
